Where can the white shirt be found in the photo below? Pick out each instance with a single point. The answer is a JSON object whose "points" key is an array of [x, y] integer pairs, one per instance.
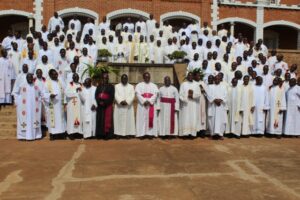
{"points": [[53, 22]]}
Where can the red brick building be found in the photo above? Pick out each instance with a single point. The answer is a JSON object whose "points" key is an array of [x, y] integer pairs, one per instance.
{"points": [[277, 21]]}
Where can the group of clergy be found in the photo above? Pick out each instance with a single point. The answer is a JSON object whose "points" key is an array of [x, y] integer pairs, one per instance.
{"points": [[57, 57], [213, 107]]}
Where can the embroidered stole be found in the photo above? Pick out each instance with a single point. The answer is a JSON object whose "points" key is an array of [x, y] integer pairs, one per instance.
{"points": [[278, 103], [51, 103], [74, 103]]}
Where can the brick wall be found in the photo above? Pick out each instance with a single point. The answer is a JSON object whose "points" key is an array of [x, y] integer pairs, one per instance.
{"points": [[291, 56], [234, 11], [157, 7], [201, 8], [288, 15], [24, 5]]}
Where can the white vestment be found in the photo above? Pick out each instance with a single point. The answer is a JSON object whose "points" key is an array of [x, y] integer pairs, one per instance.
{"points": [[239, 49], [31, 64], [53, 22], [141, 51], [277, 102], [6, 42], [77, 24], [292, 119], [188, 117], [28, 102], [62, 66], [124, 123], [41, 84], [81, 68], [20, 81], [74, 117], [45, 67], [104, 25], [146, 123], [88, 119], [158, 56], [15, 58], [194, 64], [130, 26], [202, 125], [267, 80], [86, 29], [168, 103], [6, 75], [247, 102], [150, 24], [234, 103], [71, 53], [217, 115], [120, 52], [130, 50], [143, 27], [261, 101], [56, 122], [281, 65]]}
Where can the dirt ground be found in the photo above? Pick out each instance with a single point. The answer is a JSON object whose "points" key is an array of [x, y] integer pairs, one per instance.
{"points": [[252, 168]]}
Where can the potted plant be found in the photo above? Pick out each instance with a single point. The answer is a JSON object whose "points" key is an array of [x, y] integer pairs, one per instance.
{"points": [[103, 55], [178, 56], [95, 71]]}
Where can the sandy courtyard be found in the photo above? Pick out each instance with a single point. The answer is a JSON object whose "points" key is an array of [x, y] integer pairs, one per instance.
{"points": [[255, 168]]}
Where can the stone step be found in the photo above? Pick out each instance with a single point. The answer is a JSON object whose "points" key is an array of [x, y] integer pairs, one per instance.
{"points": [[7, 112], [8, 133], [7, 125], [8, 119], [7, 108]]}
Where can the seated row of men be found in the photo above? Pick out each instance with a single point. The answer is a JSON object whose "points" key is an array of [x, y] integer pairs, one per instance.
{"points": [[243, 108]]}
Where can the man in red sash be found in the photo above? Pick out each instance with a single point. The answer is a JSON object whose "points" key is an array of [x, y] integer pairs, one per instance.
{"points": [[168, 109], [104, 96], [146, 92]]}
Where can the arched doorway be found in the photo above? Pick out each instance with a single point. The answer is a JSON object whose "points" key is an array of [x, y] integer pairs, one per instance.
{"points": [[281, 34], [16, 20], [15, 23], [81, 13], [239, 25], [120, 16], [240, 28], [177, 19]]}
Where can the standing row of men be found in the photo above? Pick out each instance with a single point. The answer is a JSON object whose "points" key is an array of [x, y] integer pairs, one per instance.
{"points": [[241, 109]]}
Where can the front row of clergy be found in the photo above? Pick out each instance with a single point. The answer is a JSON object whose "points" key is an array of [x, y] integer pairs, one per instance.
{"points": [[240, 109]]}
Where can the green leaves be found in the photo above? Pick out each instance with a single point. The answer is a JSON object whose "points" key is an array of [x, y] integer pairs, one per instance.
{"points": [[96, 71], [104, 53], [177, 55]]}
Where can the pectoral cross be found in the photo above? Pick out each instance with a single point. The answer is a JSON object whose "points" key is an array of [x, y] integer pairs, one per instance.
{"points": [[36, 123], [74, 101], [278, 104], [23, 125]]}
